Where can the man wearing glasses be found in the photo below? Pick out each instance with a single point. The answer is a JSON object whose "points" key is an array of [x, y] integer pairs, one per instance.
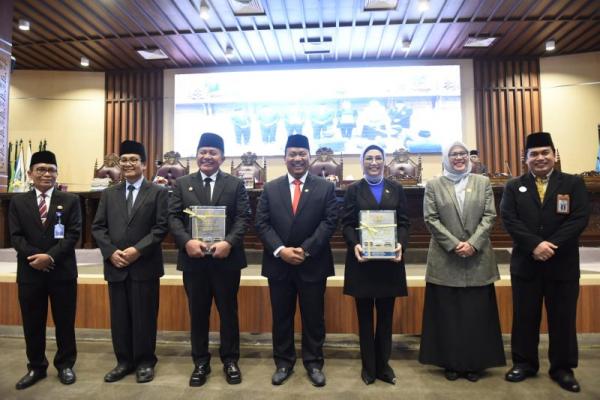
{"points": [[44, 226], [130, 224]]}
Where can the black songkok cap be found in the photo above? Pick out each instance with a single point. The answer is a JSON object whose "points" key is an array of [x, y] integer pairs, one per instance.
{"points": [[133, 147], [474, 153], [209, 139], [539, 139], [42, 157], [297, 141]]}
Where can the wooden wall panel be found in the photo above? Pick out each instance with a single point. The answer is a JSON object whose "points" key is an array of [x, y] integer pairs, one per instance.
{"points": [[507, 108], [255, 309], [134, 110]]}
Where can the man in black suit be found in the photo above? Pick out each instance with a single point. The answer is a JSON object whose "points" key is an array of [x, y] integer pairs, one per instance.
{"points": [[295, 218], [545, 211], [211, 269], [45, 225], [129, 226]]}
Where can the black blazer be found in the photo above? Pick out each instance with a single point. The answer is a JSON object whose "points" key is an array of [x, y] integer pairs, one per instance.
{"points": [[228, 191], [530, 222], [377, 278], [28, 235], [311, 227], [144, 230]]}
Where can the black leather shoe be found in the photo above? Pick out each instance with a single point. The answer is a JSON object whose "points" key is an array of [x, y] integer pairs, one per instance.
{"points": [[387, 375], [567, 381], [30, 378], [144, 374], [199, 375], [366, 377], [233, 375], [117, 373], [281, 375], [518, 373], [66, 376], [316, 376], [472, 376], [451, 375]]}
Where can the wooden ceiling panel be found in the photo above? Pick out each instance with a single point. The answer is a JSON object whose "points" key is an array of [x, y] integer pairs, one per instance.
{"points": [[109, 32]]}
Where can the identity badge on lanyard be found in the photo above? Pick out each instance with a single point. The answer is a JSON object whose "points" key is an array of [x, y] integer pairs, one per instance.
{"points": [[59, 228]]}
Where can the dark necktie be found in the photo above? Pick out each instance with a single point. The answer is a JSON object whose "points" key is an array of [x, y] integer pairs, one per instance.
{"points": [[43, 208], [130, 189], [207, 195]]}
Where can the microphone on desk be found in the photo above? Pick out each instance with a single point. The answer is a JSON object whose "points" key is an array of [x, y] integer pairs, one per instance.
{"points": [[508, 168]]}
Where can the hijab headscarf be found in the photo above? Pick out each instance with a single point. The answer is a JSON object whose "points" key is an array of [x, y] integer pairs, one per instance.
{"points": [[372, 180], [449, 171]]}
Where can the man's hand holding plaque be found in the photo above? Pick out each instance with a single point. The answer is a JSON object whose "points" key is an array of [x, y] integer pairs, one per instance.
{"points": [[208, 231]]}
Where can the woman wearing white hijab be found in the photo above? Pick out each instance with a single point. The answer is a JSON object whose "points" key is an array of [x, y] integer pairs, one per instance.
{"points": [[461, 329], [374, 284]]}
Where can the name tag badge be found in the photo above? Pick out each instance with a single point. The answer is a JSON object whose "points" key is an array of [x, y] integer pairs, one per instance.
{"points": [[563, 204], [59, 231]]}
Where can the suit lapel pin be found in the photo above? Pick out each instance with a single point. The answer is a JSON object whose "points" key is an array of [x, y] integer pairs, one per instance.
{"points": [[387, 191], [59, 208], [468, 190], [305, 190], [191, 189], [522, 189]]}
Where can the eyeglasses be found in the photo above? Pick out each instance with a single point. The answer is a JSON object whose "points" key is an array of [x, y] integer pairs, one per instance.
{"points": [[131, 160], [45, 170], [459, 154]]}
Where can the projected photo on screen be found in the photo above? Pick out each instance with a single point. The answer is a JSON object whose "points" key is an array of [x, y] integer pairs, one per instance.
{"points": [[346, 109]]}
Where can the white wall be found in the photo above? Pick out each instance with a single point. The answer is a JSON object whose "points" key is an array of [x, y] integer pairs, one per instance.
{"points": [[66, 109], [571, 107]]}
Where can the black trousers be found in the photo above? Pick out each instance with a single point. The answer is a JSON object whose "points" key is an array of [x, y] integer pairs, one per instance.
{"points": [[133, 315], [33, 299], [375, 342], [560, 298], [201, 287], [312, 307]]}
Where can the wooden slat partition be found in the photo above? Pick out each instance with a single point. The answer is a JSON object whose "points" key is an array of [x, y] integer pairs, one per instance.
{"points": [[134, 110], [507, 108]]}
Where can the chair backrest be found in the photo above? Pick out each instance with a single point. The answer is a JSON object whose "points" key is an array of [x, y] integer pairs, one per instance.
{"points": [[250, 171], [403, 169], [172, 168], [326, 166], [109, 169]]}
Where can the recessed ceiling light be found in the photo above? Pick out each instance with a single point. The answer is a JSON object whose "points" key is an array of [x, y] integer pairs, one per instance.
{"points": [[24, 25], [380, 5], [242, 8], [405, 45], [85, 62], [551, 45], [423, 5], [204, 10], [316, 45], [152, 54], [480, 42], [229, 51]]}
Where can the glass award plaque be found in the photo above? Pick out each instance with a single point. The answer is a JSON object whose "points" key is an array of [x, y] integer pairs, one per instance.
{"points": [[207, 223], [378, 233]]}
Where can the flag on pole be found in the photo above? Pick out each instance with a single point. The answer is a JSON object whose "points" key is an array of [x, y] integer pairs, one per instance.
{"points": [[28, 154], [19, 178]]}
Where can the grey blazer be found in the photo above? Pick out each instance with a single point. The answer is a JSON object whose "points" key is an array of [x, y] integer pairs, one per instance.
{"points": [[448, 227]]}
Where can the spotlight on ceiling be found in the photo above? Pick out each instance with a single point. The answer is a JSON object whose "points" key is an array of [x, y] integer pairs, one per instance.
{"points": [[405, 45], [204, 10], [85, 62], [229, 51], [423, 5], [550, 45], [24, 25]]}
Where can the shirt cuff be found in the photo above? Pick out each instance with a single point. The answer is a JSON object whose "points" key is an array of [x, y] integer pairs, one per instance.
{"points": [[277, 251]]}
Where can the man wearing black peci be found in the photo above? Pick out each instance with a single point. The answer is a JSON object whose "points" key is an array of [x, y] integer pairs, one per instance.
{"points": [[211, 270], [45, 225], [129, 227], [545, 211], [295, 218]]}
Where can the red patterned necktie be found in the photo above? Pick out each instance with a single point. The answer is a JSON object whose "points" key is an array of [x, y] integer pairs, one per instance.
{"points": [[297, 192], [43, 208]]}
